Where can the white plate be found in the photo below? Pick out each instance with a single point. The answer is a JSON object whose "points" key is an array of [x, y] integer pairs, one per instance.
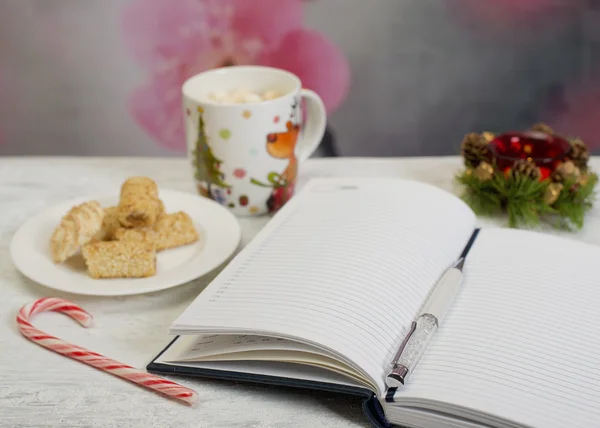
{"points": [[219, 230]]}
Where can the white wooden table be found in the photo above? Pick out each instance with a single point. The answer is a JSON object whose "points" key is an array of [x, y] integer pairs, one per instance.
{"points": [[39, 388]]}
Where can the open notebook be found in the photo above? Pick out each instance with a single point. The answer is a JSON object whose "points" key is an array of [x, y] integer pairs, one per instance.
{"points": [[326, 292]]}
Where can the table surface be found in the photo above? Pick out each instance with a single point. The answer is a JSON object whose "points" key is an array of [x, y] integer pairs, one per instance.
{"points": [[40, 388]]}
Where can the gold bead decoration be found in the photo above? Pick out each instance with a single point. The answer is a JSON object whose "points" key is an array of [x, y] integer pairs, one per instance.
{"points": [[566, 171], [488, 136], [552, 193], [484, 171]]}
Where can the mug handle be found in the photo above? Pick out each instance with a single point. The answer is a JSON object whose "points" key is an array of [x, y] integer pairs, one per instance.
{"points": [[314, 129]]}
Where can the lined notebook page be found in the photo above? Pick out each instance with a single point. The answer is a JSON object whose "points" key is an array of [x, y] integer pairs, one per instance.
{"points": [[345, 265], [522, 341], [268, 368], [231, 344]]}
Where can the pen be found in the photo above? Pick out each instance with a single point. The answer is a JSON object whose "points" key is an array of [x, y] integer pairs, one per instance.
{"points": [[424, 327]]}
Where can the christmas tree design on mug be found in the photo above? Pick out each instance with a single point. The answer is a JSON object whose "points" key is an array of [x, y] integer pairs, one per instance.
{"points": [[206, 167]]}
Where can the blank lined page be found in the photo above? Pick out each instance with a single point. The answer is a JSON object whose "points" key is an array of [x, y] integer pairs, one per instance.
{"points": [[345, 266], [268, 368], [215, 344], [522, 341]]}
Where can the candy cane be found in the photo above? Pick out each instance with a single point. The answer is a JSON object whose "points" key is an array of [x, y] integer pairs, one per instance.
{"points": [[140, 377]]}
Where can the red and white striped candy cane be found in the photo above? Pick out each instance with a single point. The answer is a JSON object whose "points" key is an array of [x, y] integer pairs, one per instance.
{"points": [[140, 377]]}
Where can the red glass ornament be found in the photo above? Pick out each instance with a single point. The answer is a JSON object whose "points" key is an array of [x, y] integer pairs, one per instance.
{"points": [[546, 151]]}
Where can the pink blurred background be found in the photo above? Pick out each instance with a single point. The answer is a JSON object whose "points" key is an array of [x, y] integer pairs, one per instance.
{"points": [[399, 78]]}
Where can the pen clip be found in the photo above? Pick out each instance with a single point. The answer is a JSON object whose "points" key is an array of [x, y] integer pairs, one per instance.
{"points": [[413, 327]]}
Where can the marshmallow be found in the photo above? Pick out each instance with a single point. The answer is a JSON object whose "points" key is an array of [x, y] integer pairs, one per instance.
{"points": [[242, 96], [252, 98], [270, 95], [239, 96], [218, 97]]}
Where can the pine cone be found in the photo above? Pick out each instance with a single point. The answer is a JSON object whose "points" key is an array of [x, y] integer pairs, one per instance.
{"points": [[579, 154], [474, 149], [525, 168], [542, 127], [565, 171]]}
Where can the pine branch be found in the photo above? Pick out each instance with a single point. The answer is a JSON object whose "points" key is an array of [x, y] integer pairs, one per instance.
{"points": [[522, 199], [572, 205]]}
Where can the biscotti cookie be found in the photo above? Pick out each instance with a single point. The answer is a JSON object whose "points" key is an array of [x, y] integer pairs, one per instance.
{"points": [[76, 228], [139, 204], [120, 259], [169, 231]]}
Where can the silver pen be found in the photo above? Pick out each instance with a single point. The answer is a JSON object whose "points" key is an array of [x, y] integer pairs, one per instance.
{"points": [[424, 327]]}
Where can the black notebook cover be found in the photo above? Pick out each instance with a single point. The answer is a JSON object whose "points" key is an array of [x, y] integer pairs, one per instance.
{"points": [[371, 405]]}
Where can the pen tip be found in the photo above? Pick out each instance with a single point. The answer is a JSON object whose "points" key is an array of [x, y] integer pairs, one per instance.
{"points": [[460, 263]]}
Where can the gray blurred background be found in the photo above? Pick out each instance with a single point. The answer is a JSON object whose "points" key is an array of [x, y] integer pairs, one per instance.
{"points": [[423, 73]]}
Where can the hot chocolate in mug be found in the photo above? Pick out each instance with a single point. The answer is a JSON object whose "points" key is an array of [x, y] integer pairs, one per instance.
{"points": [[247, 137]]}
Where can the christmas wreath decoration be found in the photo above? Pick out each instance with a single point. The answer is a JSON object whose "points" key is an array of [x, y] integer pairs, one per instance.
{"points": [[531, 176]]}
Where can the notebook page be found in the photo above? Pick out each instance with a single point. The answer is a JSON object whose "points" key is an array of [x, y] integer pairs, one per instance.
{"points": [[219, 344], [261, 368], [274, 350], [344, 266], [522, 340], [233, 347], [227, 344]]}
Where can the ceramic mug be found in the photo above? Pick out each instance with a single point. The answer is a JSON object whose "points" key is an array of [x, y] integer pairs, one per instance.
{"points": [[246, 155]]}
